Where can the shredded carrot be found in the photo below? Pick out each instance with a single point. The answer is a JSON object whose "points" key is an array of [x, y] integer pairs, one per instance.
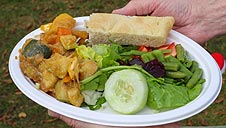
{"points": [[66, 79]]}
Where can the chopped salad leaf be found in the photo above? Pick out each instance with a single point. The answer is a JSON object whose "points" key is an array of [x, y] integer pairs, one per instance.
{"points": [[87, 52], [108, 54], [164, 97]]}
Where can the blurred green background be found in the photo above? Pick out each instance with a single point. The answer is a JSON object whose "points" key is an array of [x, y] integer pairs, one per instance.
{"points": [[20, 17]]}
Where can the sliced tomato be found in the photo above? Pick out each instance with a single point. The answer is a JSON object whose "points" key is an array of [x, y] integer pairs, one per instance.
{"points": [[163, 47], [144, 48], [170, 46]]}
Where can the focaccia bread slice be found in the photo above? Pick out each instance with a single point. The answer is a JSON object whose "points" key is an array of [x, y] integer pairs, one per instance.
{"points": [[129, 30]]}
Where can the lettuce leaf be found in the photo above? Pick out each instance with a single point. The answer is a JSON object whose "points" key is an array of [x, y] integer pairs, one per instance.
{"points": [[109, 55], [91, 96], [169, 96], [195, 91], [106, 55], [87, 52], [96, 82]]}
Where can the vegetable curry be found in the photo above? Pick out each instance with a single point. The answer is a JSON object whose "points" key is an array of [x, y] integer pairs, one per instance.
{"points": [[52, 63]]}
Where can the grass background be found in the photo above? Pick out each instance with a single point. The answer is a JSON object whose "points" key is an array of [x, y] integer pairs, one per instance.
{"points": [[19, 17]]}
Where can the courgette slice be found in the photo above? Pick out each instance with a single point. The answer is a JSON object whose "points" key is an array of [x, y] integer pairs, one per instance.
{"points": [[126, 91], [33, 47]]}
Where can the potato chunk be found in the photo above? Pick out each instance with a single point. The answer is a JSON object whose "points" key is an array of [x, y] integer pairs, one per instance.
{"points": [[74, 96], [57, 65], [87, 68], [61, 91], [48, 81], [69, 93]]}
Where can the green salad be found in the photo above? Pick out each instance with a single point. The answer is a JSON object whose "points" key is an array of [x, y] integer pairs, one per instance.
{"points": [[130, 77]]}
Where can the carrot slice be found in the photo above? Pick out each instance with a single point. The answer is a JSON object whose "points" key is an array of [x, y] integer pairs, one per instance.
{"points": [[62, 31]]}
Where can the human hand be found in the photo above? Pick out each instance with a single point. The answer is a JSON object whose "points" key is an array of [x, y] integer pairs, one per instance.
{"points": [[200, 20], [79, 124]]}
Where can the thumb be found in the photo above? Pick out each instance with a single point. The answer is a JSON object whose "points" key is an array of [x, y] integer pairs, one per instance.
{"points": [[134, 7], [129, 9], [67, 120], [75, 123]]}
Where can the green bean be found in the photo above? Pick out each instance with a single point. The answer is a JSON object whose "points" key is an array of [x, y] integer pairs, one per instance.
{"points": [[201, 81], [169, 80], [195, 78], [159, 55], [180, 52], [169, 66], [194, 66], [187, 63], [176, 74], [180, 82], [165, 51], [147, 57], [182, 68], [132, 52]]}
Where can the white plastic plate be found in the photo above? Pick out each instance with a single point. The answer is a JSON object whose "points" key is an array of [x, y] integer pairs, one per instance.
{"points": [[106, 116]]}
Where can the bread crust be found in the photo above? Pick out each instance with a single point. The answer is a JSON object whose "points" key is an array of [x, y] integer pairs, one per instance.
{"points": [[129, 30]]}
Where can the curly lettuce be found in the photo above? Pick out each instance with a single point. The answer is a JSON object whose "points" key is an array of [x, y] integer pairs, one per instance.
{"points": [[88, 53]]}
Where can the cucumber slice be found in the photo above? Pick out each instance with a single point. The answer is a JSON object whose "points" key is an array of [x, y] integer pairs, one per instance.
{"points": [[126, 91]]}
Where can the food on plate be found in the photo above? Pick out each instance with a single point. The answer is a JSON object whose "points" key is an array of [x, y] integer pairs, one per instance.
{"points": [[66, 64], [62, 25], [129, 30], [126, 91], [52, 64], [33, 47]]}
